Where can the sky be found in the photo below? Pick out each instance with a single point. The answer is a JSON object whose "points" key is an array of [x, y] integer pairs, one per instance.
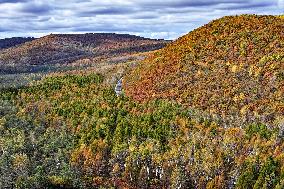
{"points": [[167, 19]]}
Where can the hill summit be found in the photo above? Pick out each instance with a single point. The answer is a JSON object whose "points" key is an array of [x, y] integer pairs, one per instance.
{"points": [[231, 66]]}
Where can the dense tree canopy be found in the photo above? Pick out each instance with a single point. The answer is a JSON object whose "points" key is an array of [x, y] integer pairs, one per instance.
{"points": [[73, 131]]}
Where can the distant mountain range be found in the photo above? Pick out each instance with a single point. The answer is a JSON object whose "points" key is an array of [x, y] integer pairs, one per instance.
{"points": [[14, 41], [57, 49]]}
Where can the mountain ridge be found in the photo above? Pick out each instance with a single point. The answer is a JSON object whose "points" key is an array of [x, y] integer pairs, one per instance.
{"points": [[14, 41], [67, 48]]}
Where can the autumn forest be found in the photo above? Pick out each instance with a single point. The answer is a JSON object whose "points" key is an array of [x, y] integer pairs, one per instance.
{"points": [[205, 111]]}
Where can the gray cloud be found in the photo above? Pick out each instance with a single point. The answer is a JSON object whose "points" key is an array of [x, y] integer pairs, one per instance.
{"points": [[35, 8], [202, 3], [3, 29], [149, 18], [106, 11], [251, 5], [12, 1], [145, 16]]}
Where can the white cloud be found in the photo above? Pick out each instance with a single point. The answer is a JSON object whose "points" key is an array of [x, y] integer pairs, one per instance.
{"points": [[281, 4]]}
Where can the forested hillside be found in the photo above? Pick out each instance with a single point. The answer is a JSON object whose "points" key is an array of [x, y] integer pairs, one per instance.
{"points": [[59, 50], [232, 68]]}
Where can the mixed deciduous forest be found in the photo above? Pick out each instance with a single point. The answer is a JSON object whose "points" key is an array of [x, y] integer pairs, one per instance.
{"points": [[232, 68], [203, 112]]}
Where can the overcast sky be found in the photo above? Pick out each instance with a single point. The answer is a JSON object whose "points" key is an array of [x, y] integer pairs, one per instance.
{"points": [[149, 18]]}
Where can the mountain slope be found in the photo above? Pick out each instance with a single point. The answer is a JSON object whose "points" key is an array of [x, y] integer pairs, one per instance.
{"points": [[63, 48], [231, 66]]}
